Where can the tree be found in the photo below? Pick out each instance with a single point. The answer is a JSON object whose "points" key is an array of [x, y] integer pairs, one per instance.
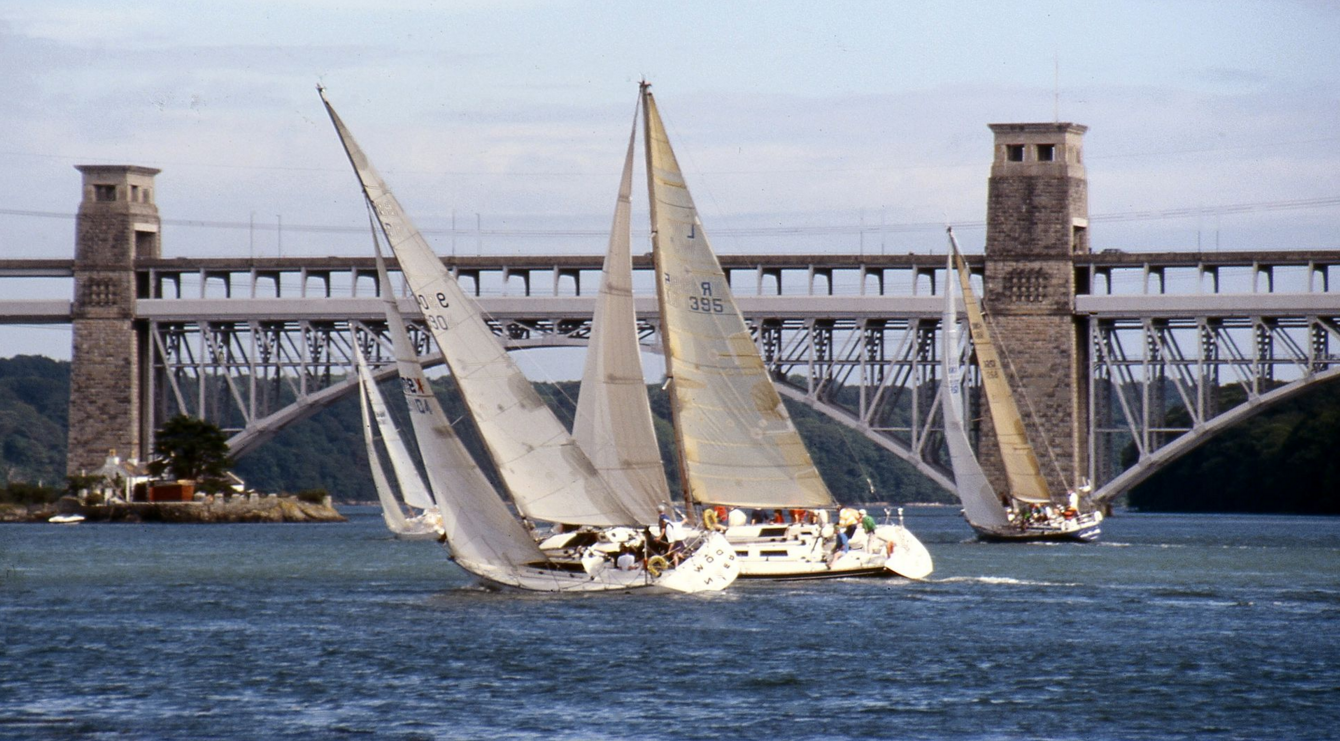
{"points": [[191, 449]]}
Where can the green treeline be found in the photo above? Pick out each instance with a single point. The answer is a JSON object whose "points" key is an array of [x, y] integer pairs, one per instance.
{"points": [[1281, 461]]}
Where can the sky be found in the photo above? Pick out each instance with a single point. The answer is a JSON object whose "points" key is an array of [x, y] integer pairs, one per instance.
{"points": [[829, 127]]}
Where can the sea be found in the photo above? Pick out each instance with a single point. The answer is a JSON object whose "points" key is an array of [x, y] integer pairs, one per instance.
{"points": [[1171, 627]]}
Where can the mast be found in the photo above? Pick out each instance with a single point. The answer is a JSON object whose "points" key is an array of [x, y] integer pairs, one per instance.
{"points": [[1022, 471], [644, 90]]}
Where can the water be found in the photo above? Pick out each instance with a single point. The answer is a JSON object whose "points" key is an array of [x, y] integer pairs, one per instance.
{"points": [[1216, 627]]}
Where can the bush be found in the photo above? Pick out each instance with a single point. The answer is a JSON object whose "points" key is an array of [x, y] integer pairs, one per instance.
{"points": [[24, 493], [312, 496]]}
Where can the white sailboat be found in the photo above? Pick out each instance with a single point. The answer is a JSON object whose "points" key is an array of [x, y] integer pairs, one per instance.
{"points": [[737, 445], [377, 424], [547, 474], [1030, 513]]}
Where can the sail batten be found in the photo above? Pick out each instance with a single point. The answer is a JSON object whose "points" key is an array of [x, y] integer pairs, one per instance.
{"points": [[729, 419], [1022, 471]]}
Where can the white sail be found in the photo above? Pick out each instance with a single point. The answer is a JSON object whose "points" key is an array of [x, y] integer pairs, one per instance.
{"points": [[391, 512], [543, 468], [412, 489], [1021, 464], [981, 506], [613, 421], [737, 443]]}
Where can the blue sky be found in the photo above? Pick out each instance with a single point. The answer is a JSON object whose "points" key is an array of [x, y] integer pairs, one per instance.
{"points": [[784, 114]]}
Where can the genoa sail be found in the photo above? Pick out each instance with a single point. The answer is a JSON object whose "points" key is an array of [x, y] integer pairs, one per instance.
{"points": [[981, 506], [392, 515], [613, 421], [544, 470], [1022, 471], [738, 445], [412, 488]]}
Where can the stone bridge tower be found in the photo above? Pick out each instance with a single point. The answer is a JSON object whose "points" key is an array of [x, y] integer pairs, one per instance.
{"points": [[1037, 219], [117, 223]]}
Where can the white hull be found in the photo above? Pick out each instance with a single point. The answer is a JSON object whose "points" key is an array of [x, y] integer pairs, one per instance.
{"points": [[801, 552], [711, 567]]}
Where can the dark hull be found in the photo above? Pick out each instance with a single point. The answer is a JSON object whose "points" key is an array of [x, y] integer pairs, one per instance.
{"points": [[1015, 535], [815, 575]]}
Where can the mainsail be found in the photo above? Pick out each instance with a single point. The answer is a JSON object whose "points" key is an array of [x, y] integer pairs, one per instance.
{"points": [[737, 443], [613, 421], [391, 512], [547, 474], [1021, 464], [981, 506]]}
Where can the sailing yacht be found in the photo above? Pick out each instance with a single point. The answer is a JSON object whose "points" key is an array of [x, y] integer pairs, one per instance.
{"points": [[427, 523], [541, 466], [738, 447], [1029, 512]]}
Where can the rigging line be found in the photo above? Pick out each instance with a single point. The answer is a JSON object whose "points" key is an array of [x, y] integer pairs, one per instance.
{"points": [[1019, 384]]}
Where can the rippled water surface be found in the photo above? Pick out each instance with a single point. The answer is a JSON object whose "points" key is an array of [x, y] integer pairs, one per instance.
{"points": [[1217, 627]]}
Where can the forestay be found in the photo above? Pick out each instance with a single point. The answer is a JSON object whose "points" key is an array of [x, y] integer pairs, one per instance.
{"points": [[738, 445], [613, 421], [1021, 464], [547, 474]]}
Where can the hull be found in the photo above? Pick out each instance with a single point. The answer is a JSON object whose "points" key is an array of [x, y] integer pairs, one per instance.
{"points": [[710, 567], [801, 552], [424, 527], [1083, 529]]}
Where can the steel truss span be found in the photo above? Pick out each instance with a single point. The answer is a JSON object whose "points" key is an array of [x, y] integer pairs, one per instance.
{"points": [[1160, 387]]}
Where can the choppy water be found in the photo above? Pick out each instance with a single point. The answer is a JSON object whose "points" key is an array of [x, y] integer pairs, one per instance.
{"points": [[1173, 627]]}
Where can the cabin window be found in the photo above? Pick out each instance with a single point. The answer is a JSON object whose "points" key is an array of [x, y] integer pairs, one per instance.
{"points": [[104, 192], [767, 554], [1046, 152], [1014, 152]]}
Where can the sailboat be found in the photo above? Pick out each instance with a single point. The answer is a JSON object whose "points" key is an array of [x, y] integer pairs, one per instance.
{"points": [[738, 447], [1029, 512], [428, 523], [541, 466]]}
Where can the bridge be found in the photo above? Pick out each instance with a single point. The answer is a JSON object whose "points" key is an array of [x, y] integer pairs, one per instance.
{"points": [[1110, 351]]}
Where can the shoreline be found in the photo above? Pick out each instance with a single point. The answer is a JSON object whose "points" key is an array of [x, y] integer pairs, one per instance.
{"points": [[264, 509]]}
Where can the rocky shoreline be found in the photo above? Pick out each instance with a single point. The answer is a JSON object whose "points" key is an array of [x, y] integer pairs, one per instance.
{"points": [[238, 509]]}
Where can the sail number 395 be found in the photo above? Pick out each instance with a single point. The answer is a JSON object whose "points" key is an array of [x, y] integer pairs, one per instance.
{"points": [[705, 302]]}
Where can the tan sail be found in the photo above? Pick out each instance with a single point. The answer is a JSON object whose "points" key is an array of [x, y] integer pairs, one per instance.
{"points": [[613, 421], [1022, 471], [737, 443]]}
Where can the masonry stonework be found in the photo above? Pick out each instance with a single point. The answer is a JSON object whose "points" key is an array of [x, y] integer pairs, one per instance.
{"points": [[1037, 220], [117, 222]]}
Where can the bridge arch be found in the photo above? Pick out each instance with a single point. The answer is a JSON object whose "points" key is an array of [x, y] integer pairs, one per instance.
{"points": [[1158, 459]]}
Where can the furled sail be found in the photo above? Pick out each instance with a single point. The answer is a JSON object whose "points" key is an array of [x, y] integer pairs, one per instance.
{"points": [[1021, 464], [391, 512], [981, 506], [547, 474], [613, 421], [737, 443]]}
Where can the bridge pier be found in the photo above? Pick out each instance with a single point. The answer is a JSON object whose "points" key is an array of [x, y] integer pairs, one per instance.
{"points": [[117, 223], [1037, 221]]}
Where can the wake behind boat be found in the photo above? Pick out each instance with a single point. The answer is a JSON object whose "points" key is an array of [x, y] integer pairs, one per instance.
{"points": [[547, 474], [1029, 512]]}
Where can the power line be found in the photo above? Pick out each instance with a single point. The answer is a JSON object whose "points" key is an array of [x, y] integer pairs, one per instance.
{"points": [[747, 231]]}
